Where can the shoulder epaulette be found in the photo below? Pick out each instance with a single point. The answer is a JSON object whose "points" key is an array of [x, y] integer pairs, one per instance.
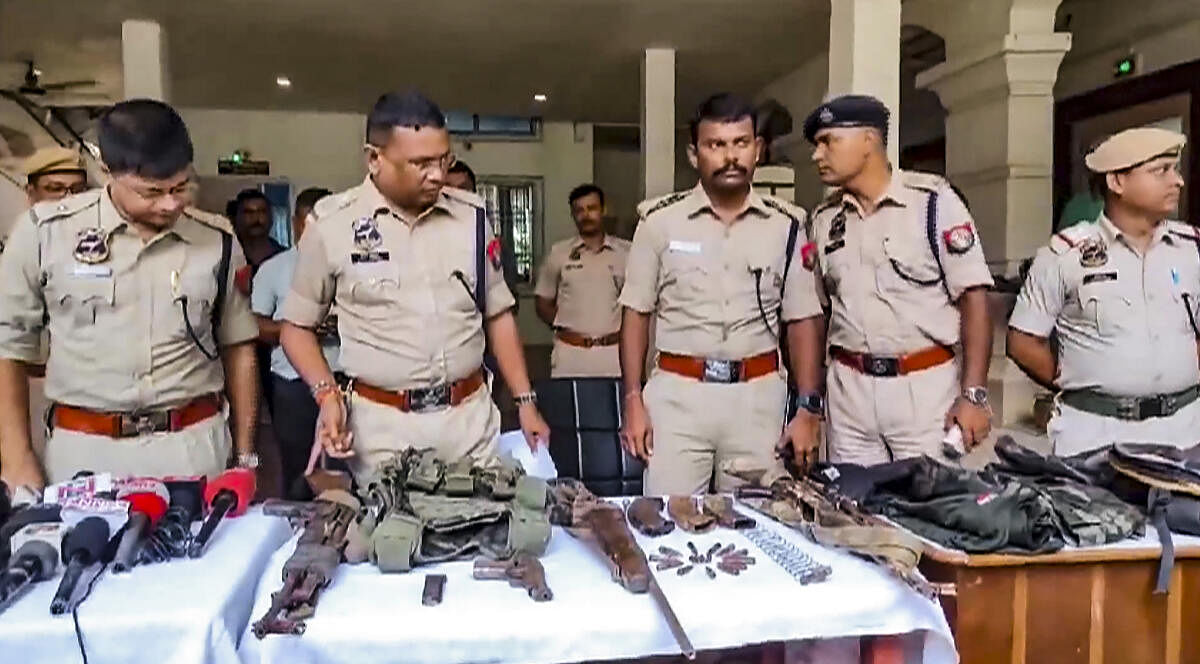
{"points": [[332, 203], [622, 242], [474, 200], [214, 221], [1183, 230], [50, 210], [834, 198], [1068, 239], [923, 181], [649, 207], [792, 212]]}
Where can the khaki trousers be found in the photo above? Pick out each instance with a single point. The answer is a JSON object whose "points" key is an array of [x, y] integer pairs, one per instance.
{"points": [[1072, 431], [877, 420], [466, 431], [201, 449], [699, 426]]}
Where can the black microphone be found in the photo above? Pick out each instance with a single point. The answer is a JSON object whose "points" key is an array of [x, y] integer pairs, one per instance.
{"points": [[35, 561], [231, 492], [84, 545]]}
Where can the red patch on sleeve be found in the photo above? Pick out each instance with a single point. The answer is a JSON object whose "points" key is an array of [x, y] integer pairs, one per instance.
{"points": [[241, 279], [808, 256], [959, 239], [493, 252]]}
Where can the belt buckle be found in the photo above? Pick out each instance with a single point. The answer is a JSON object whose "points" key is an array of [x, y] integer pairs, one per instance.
{"points": [[881, 367], [588, 342], [144, 424], [1155, 406], [429, 399], [721, 371]]}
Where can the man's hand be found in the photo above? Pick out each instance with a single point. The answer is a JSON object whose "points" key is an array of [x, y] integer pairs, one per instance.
{"points": [[975, 422], [332, 431], [638, 434], [533, 426], [803, 434], [25, 472]]}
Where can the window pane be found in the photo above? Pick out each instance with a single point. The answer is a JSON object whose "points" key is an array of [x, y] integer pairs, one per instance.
{"points": [[458, 122], [504, 124]]}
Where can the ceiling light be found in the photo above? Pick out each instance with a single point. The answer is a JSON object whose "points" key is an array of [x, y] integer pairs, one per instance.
{"points": [[540, 97], [283, 81]]}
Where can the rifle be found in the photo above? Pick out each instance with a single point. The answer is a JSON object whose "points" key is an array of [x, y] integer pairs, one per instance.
{"points": [[602, 525], [326, 522], [831, 519], [521, 571]]}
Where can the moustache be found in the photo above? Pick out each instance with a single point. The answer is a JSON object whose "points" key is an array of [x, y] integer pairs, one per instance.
{"points": [[732, 168]]}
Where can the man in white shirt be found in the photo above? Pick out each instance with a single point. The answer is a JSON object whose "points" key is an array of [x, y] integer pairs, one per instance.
{"points": [[293, 409]]}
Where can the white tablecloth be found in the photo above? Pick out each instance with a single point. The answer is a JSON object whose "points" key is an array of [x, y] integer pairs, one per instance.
{"points": [[367, 617], [182, 612]]}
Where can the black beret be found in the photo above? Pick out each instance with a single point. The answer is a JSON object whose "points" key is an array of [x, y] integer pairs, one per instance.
{"points": [[847, 111]]}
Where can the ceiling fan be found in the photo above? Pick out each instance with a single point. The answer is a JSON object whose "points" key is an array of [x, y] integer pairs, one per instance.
{"points": [[32, 85]]}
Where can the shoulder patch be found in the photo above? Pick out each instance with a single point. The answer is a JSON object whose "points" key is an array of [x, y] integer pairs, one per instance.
{"points": [[788, 210], [649, 207], [461, 196], [211, 220], [51, 210], [923, 181], [330, 204]]}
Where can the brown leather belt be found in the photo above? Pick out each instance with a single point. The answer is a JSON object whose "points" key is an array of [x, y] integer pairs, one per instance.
{"points": [[884, 366], [424, 400], [719, 371], [583, 341], [128, 425]]}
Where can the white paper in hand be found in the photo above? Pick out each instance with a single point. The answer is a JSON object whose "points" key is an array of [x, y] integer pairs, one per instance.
{"points": [[537, 464]]}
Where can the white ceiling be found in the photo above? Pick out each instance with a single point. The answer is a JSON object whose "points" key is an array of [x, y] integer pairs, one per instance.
{"points": [[486, 56]]}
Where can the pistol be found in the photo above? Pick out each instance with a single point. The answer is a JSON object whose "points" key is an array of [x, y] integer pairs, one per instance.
{"points": [[521, 571]]}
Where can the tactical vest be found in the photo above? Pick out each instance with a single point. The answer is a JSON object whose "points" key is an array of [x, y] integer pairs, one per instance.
{"points": [[420, 510]]}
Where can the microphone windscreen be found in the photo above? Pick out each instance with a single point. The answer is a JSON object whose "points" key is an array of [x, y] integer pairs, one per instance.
{"points": [[150, 504], [43, 552], [239, 481], [143, 485], [87, 540]]}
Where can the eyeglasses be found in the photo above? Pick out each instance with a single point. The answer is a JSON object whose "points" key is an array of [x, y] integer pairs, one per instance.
{"points": [[60, 189]]}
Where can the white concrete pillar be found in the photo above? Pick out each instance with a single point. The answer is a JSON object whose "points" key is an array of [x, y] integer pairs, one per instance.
{"points": [[997, 85], [864, 56], [1000, 137], [658, 122], [144, 60]]}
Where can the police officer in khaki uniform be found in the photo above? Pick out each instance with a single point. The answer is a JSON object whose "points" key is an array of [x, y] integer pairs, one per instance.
{"points": [[51, 174], [577, 291], [709, 266], [130, 281], [399, 254], [900, 266], [1121, 296]]}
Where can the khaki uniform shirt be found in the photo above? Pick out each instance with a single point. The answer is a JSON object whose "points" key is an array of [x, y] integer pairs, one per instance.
{"points": [[879, 274], [118, 337], [1120, 317], [585, 285], [697, 275], [405, 316]]}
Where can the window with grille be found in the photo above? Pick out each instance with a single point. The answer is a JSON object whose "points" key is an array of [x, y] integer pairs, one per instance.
{"points": [[514, 206]]}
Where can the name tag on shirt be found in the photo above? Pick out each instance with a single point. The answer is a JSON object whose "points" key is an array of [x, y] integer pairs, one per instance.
{"points": [[681, 247], [370, 257], [91, 271], [1099, 277], [373, 271]]}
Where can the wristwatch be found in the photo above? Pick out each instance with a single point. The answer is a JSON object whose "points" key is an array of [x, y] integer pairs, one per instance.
{"points": [[248, 460], [525, 398], [812, 402], [977, 396]]}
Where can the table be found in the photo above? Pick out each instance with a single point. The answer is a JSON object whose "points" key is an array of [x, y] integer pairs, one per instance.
{"points": [[365, 616], [1086, 606], [182, 612]]}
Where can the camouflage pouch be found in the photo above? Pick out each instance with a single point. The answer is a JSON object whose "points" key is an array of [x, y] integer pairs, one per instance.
{"points": [[427, 473], [460, 480], [529, 526], [394, 541]]}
